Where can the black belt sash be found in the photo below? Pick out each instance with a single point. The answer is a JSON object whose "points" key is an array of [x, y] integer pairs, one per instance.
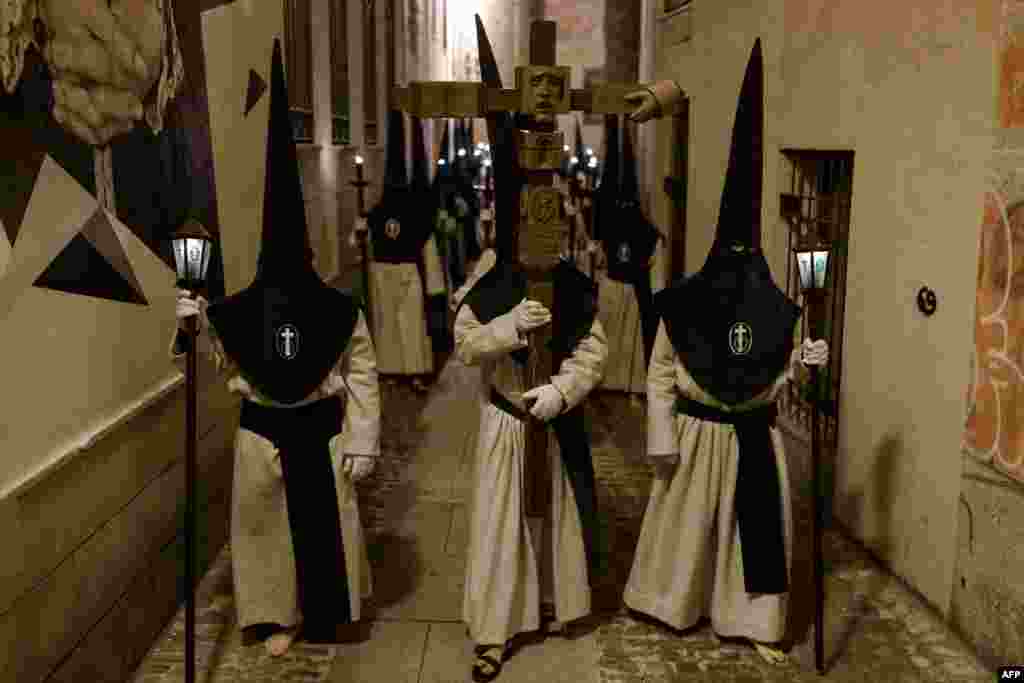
{"points": [[302, 436], [574, 447], [758, 496]]}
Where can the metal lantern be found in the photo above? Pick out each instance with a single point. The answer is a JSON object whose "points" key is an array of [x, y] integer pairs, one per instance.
{"points": [[812, 259], [813, 265], [192, 246]]}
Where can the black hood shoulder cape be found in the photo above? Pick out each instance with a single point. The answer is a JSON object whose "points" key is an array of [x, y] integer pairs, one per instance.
{"points": [[399, 225], [733, 344], [285, 341]]}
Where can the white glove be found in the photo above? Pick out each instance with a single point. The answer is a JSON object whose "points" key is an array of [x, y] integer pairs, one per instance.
{"points": [[530, 315], [549, 401], [357, 467], [814, 353], [188, 307]]}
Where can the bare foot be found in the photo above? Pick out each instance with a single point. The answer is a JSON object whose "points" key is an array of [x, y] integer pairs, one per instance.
{"points": [[279, 643], [769, 653]]}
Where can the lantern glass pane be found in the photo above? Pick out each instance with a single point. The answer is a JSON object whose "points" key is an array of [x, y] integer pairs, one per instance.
{"points": [[820, 268], [179, 256], [803, 259], [207, 250], [194, 249]]}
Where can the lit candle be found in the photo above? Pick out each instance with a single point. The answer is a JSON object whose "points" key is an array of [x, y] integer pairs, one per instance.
{"points": [[359, 168]]}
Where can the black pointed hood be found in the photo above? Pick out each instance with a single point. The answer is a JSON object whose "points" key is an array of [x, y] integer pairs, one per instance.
{"points": [[734, 287], [739, 213], [501, 134], [288, 329], [396, 174], [579, 153], [606, 196], [611, 169], [629, 187], [398, 225], [445, 154], [420, 163], [285, 251]]}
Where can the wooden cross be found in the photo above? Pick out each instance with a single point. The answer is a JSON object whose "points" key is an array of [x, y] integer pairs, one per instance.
{"points": [[541, 92]]}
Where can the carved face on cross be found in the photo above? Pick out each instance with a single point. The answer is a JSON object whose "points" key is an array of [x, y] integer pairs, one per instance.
{"points": [[543, 90], [548, 88]]}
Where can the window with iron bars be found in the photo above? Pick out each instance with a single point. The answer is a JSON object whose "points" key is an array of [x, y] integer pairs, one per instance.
{"points": [[340, 132], [370, 72], [817, 190], [299, 67]]}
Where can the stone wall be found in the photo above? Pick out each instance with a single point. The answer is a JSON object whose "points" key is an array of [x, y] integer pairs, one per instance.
{"points": [[988, 595]]}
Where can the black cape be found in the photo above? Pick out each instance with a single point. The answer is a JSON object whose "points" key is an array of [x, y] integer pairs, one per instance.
{"points": [[733, 329], [253, 325]]}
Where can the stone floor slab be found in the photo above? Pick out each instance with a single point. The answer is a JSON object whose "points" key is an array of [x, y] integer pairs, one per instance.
{"points": [[415, 510], [415, 557], [393, 653]]}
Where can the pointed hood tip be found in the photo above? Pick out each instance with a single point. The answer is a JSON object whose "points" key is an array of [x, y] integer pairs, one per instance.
{"points": [[739, 216], [285, 249]]}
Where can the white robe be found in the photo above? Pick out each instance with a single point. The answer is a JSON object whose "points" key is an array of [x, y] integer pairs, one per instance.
{"points": [[398, 311], [505, 579], [262, 556], [688, 562], [619, 311]]}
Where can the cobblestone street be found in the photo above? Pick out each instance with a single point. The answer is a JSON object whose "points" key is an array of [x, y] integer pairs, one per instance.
{"points": [[414, 511]]}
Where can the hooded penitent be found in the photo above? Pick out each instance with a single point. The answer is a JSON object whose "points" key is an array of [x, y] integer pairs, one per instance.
{"points": [[732, 328], [287, 330], [398, 226], [629, 239], [505, 285]]}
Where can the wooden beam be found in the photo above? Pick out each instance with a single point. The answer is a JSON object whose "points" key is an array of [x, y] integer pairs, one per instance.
{"points": [[452, 99], [542, 43]]}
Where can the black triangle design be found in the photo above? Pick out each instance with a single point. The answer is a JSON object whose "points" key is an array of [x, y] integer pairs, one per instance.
{"points": [[81, 269], [257, 86], [19, 169]]}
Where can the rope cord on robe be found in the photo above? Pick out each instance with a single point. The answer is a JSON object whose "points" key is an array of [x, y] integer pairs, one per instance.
{"points": [[758, 497]]}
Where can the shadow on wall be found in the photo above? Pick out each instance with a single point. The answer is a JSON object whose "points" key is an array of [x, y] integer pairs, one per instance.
{"points": [[850, 506]]}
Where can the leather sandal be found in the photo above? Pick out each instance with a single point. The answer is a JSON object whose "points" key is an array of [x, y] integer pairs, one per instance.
{"points": [[487, 667]]}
